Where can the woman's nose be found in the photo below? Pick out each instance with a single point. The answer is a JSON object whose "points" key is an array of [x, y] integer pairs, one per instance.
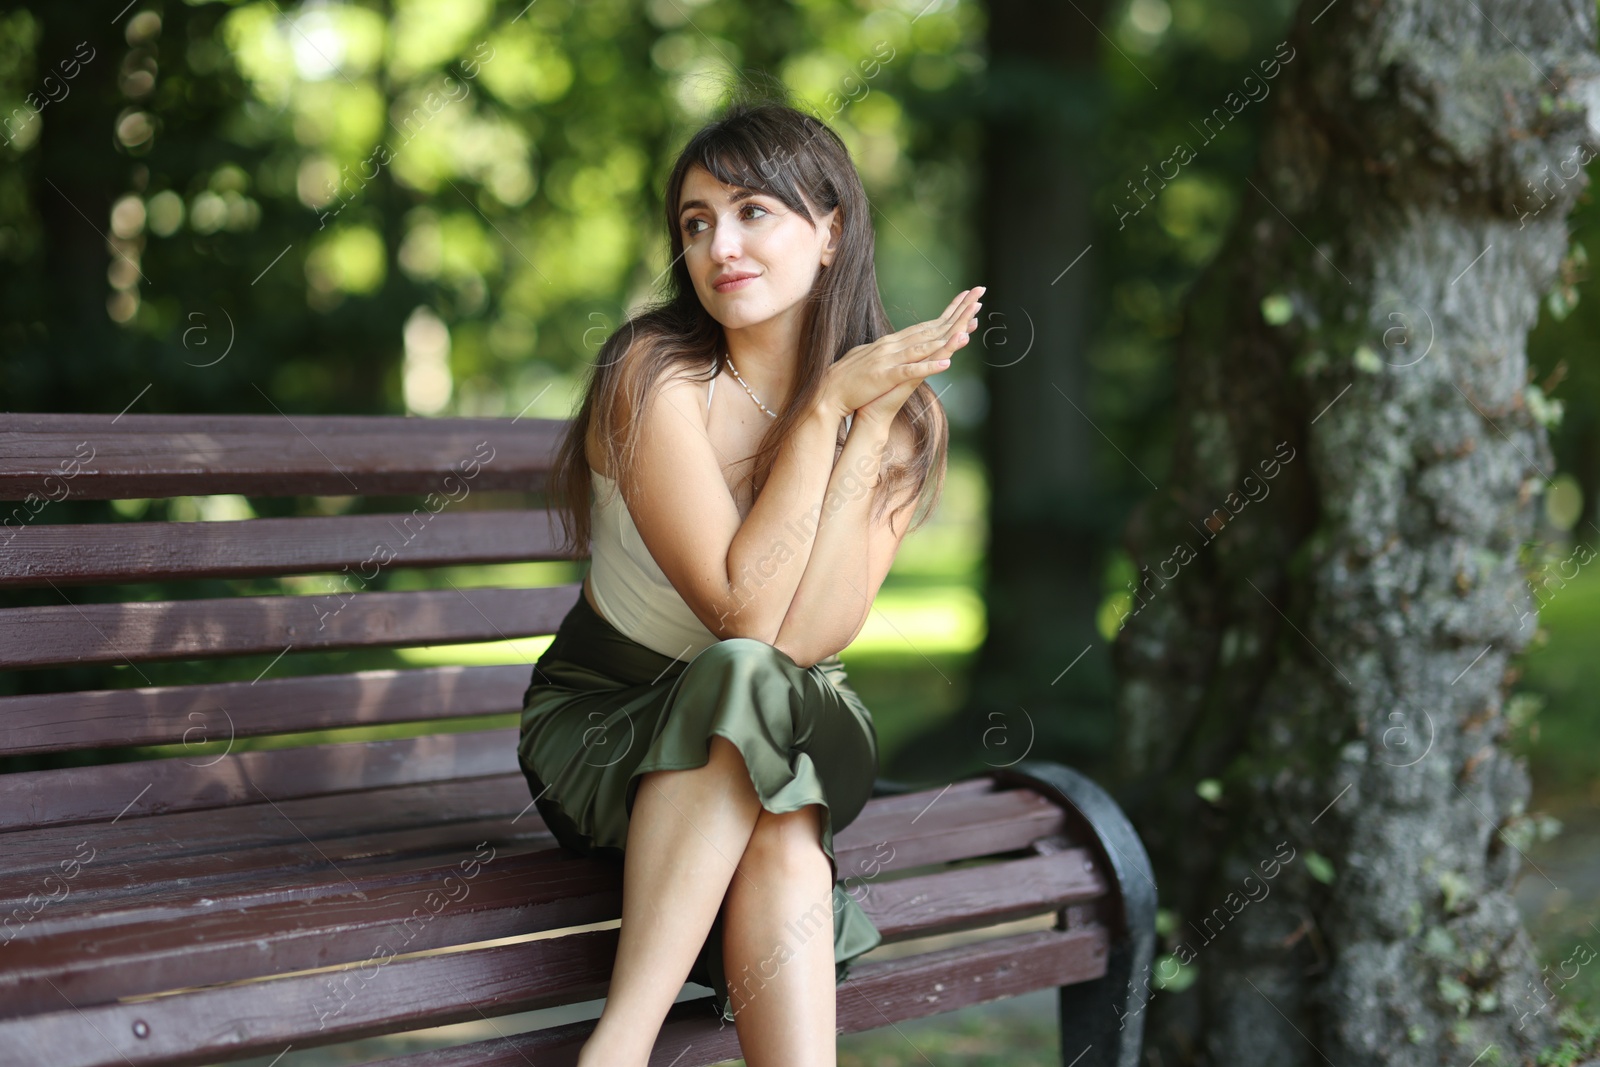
{"points": [[725, 243]]}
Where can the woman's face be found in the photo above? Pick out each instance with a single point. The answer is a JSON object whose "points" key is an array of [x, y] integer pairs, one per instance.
{"points": [[729, 231]]}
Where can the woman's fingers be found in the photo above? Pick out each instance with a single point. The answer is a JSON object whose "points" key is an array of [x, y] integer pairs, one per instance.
{"points": [[918, 328], [938, 333], [948, 335], [965, 300], [950, 308], [960, 308], [963, 317]]}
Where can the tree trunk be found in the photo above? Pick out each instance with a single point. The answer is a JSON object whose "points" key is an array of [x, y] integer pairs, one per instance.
{"points": [[1048, 520], [1316, 658]]}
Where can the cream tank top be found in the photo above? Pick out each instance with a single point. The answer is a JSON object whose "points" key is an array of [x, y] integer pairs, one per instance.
{"points": [[630, 588]]}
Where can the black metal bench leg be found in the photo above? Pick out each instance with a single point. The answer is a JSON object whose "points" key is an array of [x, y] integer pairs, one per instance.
{"points": [[1102, 1022]]}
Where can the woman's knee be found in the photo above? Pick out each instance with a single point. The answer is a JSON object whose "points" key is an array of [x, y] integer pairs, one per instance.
{"points": [[756, 671]]}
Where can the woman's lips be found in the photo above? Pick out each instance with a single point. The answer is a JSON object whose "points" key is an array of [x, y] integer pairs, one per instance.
{"points": [[728, 287]]}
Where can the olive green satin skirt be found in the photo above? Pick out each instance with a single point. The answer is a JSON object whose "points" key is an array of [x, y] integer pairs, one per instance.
{"points": [[603, 709]]}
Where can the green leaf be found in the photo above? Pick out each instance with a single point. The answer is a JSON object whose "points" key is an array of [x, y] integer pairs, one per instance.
{"points": [[1177, 982], [1455, 888], [1276, 309], [1439, 942], [1320, 866], [1454, 993]]}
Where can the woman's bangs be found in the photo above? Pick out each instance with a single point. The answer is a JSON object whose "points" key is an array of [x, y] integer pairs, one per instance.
{"points": [[739, 161]]}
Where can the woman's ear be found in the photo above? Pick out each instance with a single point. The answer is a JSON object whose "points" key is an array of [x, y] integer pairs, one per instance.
{"points": [[835, 234]]}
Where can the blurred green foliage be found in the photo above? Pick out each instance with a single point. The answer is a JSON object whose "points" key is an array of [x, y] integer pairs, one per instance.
{"points": [[439, 208], [442, 207]]}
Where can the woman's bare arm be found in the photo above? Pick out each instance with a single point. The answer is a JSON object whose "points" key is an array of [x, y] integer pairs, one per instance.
{"points": [[738, 578], [852, 551]]}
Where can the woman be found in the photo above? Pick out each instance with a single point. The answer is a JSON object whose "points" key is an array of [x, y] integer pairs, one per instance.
{"points": [[692, 716]]}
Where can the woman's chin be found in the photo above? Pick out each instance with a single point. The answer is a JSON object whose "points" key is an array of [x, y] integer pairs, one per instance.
{"points": [[742, 318], [744, 314]]}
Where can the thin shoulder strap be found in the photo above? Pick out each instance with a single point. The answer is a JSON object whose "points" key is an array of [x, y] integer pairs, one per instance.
{"points": [[713, 390]]}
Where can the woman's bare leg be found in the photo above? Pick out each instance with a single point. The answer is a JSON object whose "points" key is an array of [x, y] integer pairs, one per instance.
{"points": [[686, 834], [778, 944]]}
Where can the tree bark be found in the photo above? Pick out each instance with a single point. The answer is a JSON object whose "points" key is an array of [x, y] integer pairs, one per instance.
{"points": [[1327, 611]]}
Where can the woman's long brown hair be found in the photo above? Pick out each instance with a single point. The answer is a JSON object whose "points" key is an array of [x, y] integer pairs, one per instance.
{"points": [[773, 148]]}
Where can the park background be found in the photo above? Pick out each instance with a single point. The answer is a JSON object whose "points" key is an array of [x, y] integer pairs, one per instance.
{"points": [[443, 207]]}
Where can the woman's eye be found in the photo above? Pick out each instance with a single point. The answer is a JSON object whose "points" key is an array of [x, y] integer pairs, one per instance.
{"points": [[689, 227], [756, 207]]}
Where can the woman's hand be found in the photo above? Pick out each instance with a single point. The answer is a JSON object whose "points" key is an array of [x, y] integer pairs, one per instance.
{"points": [[883, 373]]}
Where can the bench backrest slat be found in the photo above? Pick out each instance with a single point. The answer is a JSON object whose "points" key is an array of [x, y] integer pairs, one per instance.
{"points": [[192, 715], [140, 631], [146, 787], [358, 546], [107, 458]]}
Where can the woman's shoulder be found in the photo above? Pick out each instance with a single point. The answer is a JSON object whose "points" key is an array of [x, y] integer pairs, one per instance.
{"points": [[664, 377]]}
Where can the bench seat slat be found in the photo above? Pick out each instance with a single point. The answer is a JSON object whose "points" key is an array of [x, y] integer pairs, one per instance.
{"points": [[920, 800], [966, 898], [480, 897], [126, 893], [191, 714], [37, 555], [238, 1021], [333, 822], [269, 455], [138, 631], [877, 993], [979, 826], [129, 884]]}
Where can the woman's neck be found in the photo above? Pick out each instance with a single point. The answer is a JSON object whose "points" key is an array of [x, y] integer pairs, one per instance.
{"points": [[766, 357]]}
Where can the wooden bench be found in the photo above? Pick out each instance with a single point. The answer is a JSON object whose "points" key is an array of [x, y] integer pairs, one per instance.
{"points": [[212, 905]]}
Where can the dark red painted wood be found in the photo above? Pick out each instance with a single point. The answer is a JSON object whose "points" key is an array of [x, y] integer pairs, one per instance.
{"points": [[693, 1035], [971, 825], [98, 457], [232, 1022], [970, 897], [332, 821], [235, 853], [238, 626], [192, 715], [151, 787], [478, 897], [356, 548], [100, 896], [220, 869]]}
